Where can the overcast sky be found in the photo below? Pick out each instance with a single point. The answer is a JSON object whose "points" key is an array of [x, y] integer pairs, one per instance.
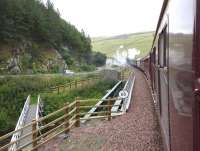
{"points": [[110, 17]]}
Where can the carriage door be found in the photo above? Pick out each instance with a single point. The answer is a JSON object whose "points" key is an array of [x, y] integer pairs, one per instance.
{"points": [[196, 66], [163, 83]]}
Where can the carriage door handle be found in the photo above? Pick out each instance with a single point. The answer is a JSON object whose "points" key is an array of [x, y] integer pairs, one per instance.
{"points": [[197, 87], [163, 68], [158, 66], [196, 92]]}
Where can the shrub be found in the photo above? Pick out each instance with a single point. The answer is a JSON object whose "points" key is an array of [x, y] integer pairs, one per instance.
{"points": [[86, 67], [98, 59], [55, 101]]}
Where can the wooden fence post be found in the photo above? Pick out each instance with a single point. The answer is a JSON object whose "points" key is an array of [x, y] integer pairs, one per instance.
{"points": [[81, 83], [77, 112], [88, 82], [109, 109], [34, 134], [84, 83], [70, 85], [75, 84], [58, 89], [67, 118]]}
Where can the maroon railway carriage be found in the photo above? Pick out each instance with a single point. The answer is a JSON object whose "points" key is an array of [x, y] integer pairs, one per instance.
{"points": [[174, 71], [145, 65]]}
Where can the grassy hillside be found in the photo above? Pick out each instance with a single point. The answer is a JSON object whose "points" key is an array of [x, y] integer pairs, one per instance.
{"points": [[109, 45]]}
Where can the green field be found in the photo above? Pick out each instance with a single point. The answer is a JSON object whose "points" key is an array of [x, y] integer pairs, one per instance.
{"points": [[109, 45]]}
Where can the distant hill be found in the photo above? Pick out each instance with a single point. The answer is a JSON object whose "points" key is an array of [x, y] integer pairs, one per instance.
{"points": [[109, 45]]}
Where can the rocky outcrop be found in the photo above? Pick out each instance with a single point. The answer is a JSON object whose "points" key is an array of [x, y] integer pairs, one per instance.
{"points": [[13, 65], [27, 58]]}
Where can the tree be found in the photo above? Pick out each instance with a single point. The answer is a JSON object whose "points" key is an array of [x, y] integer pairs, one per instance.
{"points": [[32, 20], [98, 59]]}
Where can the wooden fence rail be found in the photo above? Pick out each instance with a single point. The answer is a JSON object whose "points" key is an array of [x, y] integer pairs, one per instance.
{"points": [[61, 121], [74, 84], [125, 73]]}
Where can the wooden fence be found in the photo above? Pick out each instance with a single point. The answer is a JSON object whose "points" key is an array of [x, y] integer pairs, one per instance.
{"points": [[76, 84], [60, 121], [124, 74]]}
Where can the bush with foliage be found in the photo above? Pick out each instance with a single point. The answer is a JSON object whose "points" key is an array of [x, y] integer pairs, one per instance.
{"points": [[98, 59], [86, 67], [55, 101]]}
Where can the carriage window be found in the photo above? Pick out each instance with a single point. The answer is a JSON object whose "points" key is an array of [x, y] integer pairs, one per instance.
{"points": [[154, 55], [162, 48]]}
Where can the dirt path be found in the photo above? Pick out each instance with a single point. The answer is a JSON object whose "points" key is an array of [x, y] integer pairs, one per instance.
{"points": [[137, 130]]}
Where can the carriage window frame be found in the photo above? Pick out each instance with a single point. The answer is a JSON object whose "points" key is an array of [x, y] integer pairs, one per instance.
{"points": [[154, 56], [162, 41]]}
